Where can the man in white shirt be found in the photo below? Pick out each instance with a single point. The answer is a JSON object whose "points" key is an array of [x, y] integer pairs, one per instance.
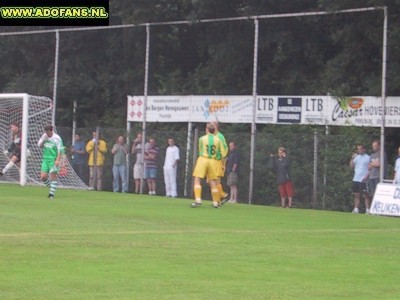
{"points": [[170, 168], [397, 168], [360, 161]]}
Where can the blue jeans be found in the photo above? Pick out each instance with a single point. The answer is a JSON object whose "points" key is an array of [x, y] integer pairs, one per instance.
{"points": [[119, 171]]}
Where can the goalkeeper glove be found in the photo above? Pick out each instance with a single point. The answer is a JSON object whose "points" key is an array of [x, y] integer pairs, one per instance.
{"points": [[54, 169]]}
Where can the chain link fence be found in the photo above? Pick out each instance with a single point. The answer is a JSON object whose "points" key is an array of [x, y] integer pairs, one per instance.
{"points": [[320, 167]]}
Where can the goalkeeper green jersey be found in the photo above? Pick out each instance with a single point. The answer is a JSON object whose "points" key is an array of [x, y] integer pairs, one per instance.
{"points": [[52, 146]]}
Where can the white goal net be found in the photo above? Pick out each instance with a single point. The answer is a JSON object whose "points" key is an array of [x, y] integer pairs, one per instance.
{"points": [[32, 113]]}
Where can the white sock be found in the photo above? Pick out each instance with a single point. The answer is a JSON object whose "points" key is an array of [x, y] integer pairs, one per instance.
{"points": [[8, 167]]}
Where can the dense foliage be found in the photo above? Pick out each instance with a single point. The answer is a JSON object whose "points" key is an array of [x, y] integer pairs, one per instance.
{"points": [[338, 54]]}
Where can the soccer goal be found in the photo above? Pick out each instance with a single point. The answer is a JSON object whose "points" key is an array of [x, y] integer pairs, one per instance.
{"points": [[32, 113]]}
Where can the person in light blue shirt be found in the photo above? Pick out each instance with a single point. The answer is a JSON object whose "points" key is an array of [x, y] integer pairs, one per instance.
{"points": [[359, 162], [78, 154]]}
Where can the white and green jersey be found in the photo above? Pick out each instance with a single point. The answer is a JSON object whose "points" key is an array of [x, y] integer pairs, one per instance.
{"points": [[52, 147]]}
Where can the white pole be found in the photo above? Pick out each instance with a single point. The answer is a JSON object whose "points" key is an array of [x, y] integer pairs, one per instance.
{"points": [[188, 149], [195, 154], [383, 100], [315, 171], [146, 87], [253, 123], [53, 119], [128, 143], [74, 109], [24, 136]]}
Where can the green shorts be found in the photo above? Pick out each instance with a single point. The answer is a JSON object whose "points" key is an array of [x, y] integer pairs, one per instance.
{"points": [[48, 166]]}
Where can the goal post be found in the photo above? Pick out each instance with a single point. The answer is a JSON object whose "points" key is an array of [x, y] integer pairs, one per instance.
{"points": [[32, 113]]}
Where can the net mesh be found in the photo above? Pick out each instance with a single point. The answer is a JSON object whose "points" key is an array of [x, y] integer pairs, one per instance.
{"points": [[39, 115]]}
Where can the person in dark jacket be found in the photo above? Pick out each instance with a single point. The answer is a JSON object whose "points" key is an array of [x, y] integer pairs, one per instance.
{"points": [[281, 167]]}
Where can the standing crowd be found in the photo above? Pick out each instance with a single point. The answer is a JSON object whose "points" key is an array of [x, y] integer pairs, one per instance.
{"points": [[367, 174], [216, 160], [146, 163]]}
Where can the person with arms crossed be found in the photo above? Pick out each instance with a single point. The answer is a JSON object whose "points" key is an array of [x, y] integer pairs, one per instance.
{"points": [[281, 167], [211, 151], [359, 162], [151, 161], [170, 168], [120, 150], [14, 148], [53, 149], [232, 169], [374, 168]]}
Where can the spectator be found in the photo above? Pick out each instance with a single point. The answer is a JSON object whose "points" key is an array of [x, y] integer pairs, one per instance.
{"points": [[397, 168], [232, 168], [78, 154], [120, 150], [151, 165], [170, 168], [97, 148], [281, 167], [138, 166], [374, 167], [359, 162]]}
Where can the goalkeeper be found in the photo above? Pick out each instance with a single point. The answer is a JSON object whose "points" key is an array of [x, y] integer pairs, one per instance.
{"points": [[14, 149], [52, 151]]}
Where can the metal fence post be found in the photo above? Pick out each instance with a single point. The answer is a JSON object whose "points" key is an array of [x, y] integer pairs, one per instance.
{"points": [[188, 144], [315, 175]]}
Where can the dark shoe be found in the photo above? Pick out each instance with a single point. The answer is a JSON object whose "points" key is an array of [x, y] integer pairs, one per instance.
{"points": [[195, 204], [225, 199], [50, 196]]}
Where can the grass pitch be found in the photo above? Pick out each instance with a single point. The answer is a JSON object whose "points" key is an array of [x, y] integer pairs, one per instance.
{"points": [[99, 245]]}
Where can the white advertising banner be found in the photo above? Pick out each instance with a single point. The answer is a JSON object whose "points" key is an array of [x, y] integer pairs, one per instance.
{"points": [[386, 200], [159, 109], [317, 110], [225, 109]]}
